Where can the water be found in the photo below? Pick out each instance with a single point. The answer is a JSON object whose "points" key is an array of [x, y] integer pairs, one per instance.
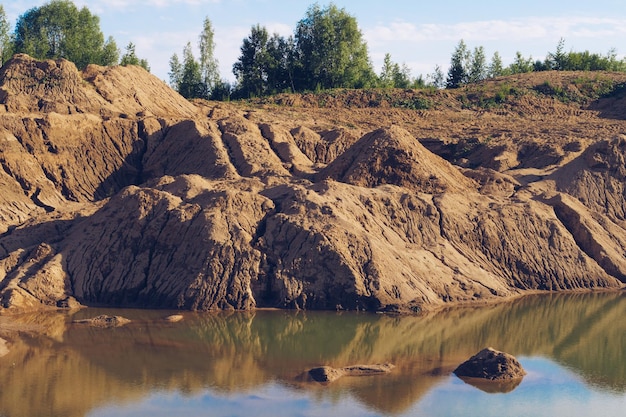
{"points": [[248, 364]]}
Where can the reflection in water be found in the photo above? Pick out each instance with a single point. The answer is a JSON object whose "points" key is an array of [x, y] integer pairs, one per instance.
{"points": [[71, 370], [492, 387]]}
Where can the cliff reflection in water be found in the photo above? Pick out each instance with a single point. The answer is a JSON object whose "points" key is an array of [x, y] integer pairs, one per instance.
{"points": [[72, 369]]}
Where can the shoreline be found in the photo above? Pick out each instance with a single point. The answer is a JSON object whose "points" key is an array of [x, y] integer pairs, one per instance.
{"points": [[10, 327], [404, 310]]}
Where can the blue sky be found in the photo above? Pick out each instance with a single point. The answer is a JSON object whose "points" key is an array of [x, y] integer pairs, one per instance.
{"points": [[421, 34]]}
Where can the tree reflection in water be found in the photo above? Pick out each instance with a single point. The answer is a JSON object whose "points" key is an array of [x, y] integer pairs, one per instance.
{"points": [[71, 370]]}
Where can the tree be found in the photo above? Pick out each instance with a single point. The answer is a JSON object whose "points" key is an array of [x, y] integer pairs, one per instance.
{"points": [[58, 29], [558, 60], [520, 64], [393, 75], [495, 68], [191, 85], [401, 76], [251, 69], [221, 91], [110, 52], [199, 79], [457, 74], [385, 79], [330, 51], [436, 79], [5, 38], [613, 64], [176, 72], [478, 66], [418, 82], [130, 58], [209, 67], [279, 64]]}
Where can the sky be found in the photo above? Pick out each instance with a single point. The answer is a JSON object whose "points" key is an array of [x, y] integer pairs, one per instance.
{"points": [[420, 34]]}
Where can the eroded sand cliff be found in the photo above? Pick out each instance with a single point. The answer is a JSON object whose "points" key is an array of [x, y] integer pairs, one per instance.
{"points": [[117, 191]]}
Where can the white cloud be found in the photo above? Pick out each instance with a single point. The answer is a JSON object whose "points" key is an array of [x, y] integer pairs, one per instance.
{"points": [[422, 46], [100, 5], [280, 28], [512, 30]]}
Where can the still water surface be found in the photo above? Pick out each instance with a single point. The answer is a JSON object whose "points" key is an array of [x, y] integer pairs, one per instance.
{"points": [[247, 364]]}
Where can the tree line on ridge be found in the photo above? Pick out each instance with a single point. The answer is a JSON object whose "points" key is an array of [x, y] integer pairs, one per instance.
{"points": [[326, 51]]}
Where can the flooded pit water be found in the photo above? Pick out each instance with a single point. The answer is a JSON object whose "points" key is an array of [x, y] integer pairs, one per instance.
{"points": [[250, 364]]}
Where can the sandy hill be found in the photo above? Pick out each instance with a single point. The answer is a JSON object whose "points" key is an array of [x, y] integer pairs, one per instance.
{"points": [[117, 191]]}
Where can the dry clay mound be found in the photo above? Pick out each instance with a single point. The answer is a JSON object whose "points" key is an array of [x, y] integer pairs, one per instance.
{"points": [[598, 178], [393, 156], [224, 212], [31, 86], [67, 136]]}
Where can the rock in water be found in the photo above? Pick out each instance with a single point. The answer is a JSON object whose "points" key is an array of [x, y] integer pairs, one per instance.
{"points": [[326, 374], [104, 321], [492, 365], [174, 318], [330, 374]]}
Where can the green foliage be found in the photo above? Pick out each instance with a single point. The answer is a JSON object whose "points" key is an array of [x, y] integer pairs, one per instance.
{"points": [[393, 75], [199, 79], [378, 97], [487, 98], [436, 78], [266, 64], [556, 91], [385, 79], [176, 72], [411, 103], [504, 92], [466, 66], [251, 69], [327, 51], [495, 68], [520, 64], [330, 51], [110, 52], [558, 59], [222, 91], [581, 90], [596, 87], [58, 29], [279, 63], [191, 85], [6, 49], [478, 66], [581, 61], [209, 67], [457, 74], [130, 58]]}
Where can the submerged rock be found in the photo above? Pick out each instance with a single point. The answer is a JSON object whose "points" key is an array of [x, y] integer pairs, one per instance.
{"points": [[105, 321], [330, 374], [492, 365], [173, 318], [326, 374]]}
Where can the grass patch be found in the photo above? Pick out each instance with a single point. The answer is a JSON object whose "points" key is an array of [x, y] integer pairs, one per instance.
{"points": [[488, 97], [582, 90]]}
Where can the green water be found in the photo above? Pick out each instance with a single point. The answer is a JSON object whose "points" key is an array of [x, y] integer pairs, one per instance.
{"points": [[248, 364]]}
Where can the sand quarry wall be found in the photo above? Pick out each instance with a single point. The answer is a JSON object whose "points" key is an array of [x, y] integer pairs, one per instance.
{"points": [[118, 191]]}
